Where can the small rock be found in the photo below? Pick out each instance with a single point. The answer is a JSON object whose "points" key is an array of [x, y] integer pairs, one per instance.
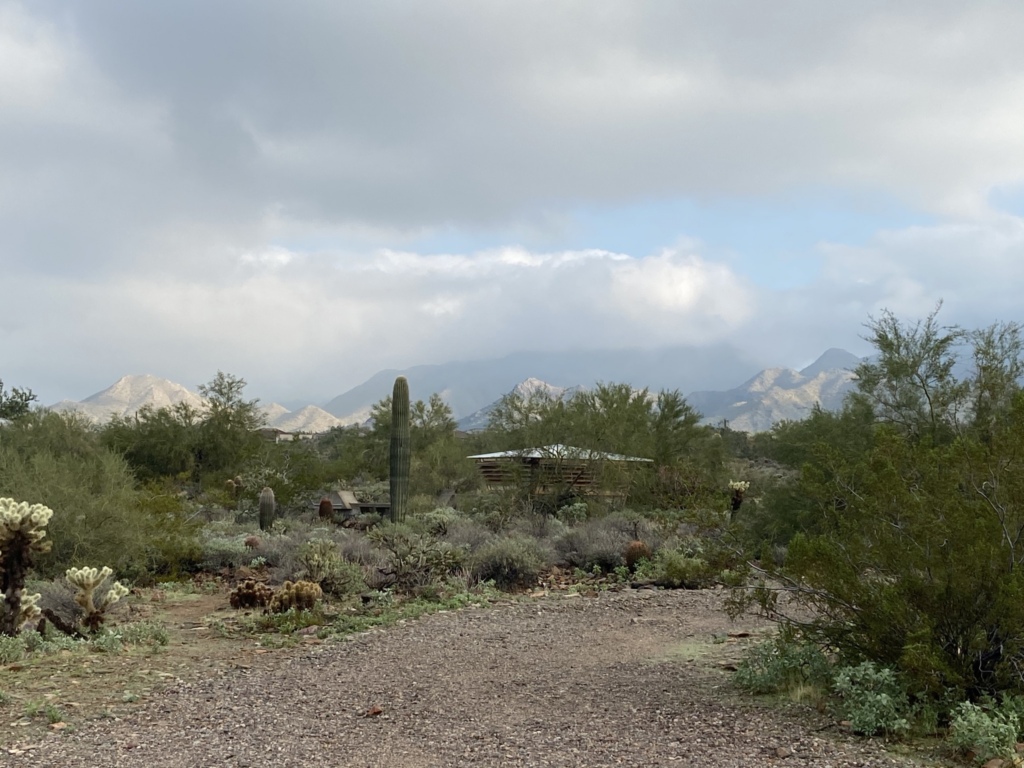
{"points": [[995, 762], [783, 752]]}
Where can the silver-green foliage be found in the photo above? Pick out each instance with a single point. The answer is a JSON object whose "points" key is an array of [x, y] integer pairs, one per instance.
{"points": [[12, 648], [872, 699], [988, 732], [511, 561]]}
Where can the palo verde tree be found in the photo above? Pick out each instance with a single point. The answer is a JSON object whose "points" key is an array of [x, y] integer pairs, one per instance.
{"points": [[228, 431], [916, 558]]}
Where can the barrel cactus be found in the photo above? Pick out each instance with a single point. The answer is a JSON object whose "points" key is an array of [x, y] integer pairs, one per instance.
{"points": [[401, 450], [326, 509], [268, 506]]}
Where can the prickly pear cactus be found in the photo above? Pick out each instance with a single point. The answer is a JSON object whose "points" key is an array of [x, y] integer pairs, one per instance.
{"points": [[401, 450], [268, 506]]}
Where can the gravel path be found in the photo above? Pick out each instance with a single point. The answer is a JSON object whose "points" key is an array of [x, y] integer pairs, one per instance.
{"points": [[608, 681]]}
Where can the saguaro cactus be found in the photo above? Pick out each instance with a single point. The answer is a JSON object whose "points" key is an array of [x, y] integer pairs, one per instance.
{"points": [[401, 450], [267, 508]]}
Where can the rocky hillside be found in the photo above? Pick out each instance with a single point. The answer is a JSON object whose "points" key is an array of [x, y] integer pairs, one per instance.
{"points": [[130, 393], [778, 394]]}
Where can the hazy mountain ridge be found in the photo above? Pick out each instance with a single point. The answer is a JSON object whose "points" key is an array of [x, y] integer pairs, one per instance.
{"points": [[129, 394], [471, 386], [780, 394], [771, 396], [767, 397]]}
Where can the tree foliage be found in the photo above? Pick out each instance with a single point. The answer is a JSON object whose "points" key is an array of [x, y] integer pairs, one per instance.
{"points": [[100, 515], [184, 441], [911, 552], [15, 403]]}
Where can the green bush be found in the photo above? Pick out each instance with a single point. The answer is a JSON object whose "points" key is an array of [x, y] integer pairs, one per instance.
{"points": [[99, 515], [781, 664], [676, 570], [987, 732], [511, 562], [872, 699], [12, 648], [217, 552]]}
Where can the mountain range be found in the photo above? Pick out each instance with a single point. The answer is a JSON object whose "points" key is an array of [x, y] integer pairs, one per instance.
{"points": [[472, 389]]}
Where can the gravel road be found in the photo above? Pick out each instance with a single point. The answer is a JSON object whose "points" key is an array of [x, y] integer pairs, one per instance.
{"points": [[625, 679]]}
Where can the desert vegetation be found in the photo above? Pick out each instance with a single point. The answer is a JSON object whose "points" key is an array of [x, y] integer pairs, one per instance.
{"points": [[885, 540]]}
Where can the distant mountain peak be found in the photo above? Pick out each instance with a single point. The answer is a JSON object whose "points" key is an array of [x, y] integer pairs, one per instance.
{"points": [[833, 359]]}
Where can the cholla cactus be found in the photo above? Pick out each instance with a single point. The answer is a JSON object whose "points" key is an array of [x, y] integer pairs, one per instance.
{"points": [[738, 488], [22, 530], [88, 580]]}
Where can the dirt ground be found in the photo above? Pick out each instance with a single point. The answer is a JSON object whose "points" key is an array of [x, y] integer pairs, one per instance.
{"points": [[638, 677]]}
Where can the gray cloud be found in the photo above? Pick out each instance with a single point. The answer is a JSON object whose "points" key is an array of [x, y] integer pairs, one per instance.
{"points": [[152, 154]]}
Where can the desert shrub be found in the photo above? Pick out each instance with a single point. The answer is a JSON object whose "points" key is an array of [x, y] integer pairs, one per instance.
{"points": [[436, 521], [217, 552], [355, 547], [12, 648], [594, 543], [677, 570], [495, 510], [572, 514], [781, 664], [57, 596], [912, 568], [469, 535], [99, 515], [873, 699], [511, 562], [987, 731]]}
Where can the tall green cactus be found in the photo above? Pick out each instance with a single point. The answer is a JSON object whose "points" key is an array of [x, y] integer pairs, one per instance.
{"points": [[401, 450], [268, 506]]}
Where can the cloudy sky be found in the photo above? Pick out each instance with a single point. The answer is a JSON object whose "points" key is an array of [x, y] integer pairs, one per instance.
{"points": [[304, 193]]}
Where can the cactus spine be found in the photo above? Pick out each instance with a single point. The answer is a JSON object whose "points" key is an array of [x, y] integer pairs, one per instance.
{"points": [[267, 508], [401, 450]]}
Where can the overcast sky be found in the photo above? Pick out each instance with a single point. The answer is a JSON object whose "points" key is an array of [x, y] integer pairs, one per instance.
{"points": [[304, 193]]}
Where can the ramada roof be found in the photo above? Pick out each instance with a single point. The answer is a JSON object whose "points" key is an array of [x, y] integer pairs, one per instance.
{"points": [[557, 451]]}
